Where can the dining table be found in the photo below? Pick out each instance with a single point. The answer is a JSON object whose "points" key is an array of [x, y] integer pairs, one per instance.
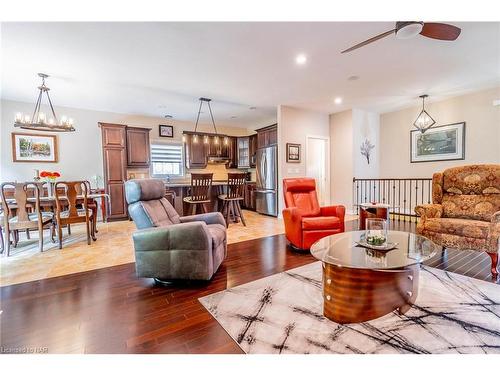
{"points": [[49, 202]]}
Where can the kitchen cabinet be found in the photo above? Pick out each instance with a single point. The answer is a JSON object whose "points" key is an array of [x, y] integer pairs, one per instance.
{"points": [[232, 152], [267, 136], [115, 167], [243, 152], [138, 147], [253, 150], [249, 196], [196, 151]]}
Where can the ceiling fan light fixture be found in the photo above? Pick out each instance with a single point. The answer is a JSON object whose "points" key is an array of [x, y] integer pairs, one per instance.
{"points": [[406, 30], [424, 121]]}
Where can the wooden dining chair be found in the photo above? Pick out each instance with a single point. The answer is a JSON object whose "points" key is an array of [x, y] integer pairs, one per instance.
{"points": [[91, 203], [71, 214], [201, 183], [19, 213], [231, 206]]}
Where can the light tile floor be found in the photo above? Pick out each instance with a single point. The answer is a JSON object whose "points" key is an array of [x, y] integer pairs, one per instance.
{"points": [[113, 247]]}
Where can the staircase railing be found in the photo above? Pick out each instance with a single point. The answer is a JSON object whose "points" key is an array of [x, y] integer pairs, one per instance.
{"points": [[401, 194]]}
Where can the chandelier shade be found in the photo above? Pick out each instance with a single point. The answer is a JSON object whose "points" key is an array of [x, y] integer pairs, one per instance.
{"points": [[424, 121], [39, 120]]}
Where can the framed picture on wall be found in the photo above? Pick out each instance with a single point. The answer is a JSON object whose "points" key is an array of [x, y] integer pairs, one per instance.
{"points": [[166, 131], [446, 142], [34, 148], [292, 153]]}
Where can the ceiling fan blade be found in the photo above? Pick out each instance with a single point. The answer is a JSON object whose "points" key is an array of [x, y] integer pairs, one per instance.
{"points": [[371, 40], [441, 31]]}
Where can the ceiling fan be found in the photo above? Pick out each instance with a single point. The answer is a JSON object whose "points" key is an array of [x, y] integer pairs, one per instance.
{"points": [[409, 29]]}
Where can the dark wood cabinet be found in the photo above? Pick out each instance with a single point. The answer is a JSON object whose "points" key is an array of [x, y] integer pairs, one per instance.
{"points": [[232, 152], [253, 150], [115, 168], [243, 151], [196, 151], [249, 196], [267, 136], [138, 147]]}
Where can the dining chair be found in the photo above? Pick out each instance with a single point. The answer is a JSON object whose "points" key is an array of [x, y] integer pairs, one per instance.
{"points": [[19, 213], [231, 201], [91, 203], [201, 183], [73, 214]]}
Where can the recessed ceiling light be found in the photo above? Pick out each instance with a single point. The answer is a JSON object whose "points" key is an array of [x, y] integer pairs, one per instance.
{"points": [[337, 100], [300, 59], [353, 78]]}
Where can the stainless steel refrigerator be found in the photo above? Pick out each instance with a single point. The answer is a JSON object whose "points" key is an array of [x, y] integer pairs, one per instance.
{"points": [[267, 181]]}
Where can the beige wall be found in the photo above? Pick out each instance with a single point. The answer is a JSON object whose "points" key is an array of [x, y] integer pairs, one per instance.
{"points": [[80, 154], [342, 164], [294, 125], [482, 133]]}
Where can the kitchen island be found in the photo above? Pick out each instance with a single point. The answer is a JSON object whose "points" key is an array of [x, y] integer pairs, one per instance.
{"points": [[177, 190]]}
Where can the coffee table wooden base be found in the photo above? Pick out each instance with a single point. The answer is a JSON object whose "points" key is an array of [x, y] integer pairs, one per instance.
{"points": [[353, 295]]}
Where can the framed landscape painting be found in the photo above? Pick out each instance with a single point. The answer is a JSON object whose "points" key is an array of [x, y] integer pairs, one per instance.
{"points": [[34, 148], [439, 143]]}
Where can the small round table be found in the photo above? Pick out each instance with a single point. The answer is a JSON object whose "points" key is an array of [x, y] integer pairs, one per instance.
{"points": [[361, 284], [372, 210]]}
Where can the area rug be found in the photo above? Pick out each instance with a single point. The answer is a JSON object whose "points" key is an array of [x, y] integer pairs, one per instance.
{"points": [[283, 314]]}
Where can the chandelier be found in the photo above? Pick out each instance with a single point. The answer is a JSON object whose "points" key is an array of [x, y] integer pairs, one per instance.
{"points": [[424, 121], [39, 120], [205, 137]]}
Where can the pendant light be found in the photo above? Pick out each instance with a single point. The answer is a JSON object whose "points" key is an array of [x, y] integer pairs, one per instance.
{"points": [[205, 138], [424, 121], [39, 121]]}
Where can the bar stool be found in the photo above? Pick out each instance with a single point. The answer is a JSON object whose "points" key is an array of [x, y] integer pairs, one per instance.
{"points": [[201, 183], [231, 200]]}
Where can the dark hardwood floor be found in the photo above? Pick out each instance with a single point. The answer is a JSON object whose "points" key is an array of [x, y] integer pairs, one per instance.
{"points": [[112, 311]]}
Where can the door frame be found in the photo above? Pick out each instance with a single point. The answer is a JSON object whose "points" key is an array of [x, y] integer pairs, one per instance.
{"points": [[327, 166]]}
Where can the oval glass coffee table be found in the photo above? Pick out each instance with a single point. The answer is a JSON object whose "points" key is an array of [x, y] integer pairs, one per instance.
{"points": [[361, 284]]}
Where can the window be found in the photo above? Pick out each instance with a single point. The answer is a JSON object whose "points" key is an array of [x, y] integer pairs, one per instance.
{"points": [[166, 160]]}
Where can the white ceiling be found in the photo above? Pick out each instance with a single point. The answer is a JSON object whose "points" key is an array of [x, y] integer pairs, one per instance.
{"points": [[163, 68]]}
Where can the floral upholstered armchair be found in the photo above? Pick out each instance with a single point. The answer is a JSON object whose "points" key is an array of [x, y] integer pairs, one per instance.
{"points": [[465, 213]]}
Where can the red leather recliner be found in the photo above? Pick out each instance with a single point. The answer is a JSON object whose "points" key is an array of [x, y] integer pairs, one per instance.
{"points": [[305, 221]]}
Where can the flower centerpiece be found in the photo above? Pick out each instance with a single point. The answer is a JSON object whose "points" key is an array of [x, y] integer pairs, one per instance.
{"points": [[50, 176], [51, 179]]}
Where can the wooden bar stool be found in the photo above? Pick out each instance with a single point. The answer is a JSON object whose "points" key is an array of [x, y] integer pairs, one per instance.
{"points": [[201, 183], [231, 200]]}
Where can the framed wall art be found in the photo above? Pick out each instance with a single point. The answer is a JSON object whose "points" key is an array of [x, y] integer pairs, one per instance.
{"points": [[166, 131], [34, 148], [293, 153], [446, 142]]}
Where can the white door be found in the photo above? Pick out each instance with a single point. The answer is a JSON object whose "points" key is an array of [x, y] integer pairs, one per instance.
{"points": [[318, 167]]}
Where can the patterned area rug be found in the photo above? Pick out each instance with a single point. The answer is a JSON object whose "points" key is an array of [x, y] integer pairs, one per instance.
{"points": [[283, 314]]}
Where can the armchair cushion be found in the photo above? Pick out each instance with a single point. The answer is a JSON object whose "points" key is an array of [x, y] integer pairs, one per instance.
{"points": [[476, 207], [458, 227], [320, 222]]}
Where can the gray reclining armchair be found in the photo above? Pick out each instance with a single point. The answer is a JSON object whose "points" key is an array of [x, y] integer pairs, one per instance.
{"points": [[167, 246]]}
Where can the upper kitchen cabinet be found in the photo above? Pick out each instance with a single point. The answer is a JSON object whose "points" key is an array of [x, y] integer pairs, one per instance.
{"points": [[138, 147], [253, 150], [267, 136], [196, 151], [243, 152]]}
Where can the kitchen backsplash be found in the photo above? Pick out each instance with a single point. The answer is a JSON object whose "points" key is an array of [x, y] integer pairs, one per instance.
{"points": [[219, 170]]}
